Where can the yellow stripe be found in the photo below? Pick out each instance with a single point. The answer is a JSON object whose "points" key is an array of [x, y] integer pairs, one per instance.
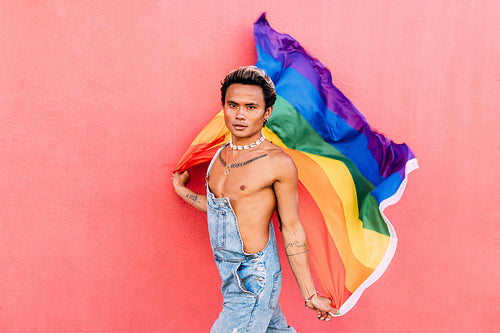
{"points": [[368, 246], [215, 129]]}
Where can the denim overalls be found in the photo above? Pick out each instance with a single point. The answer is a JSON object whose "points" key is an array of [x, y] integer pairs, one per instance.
{"points": [[251, 283]]}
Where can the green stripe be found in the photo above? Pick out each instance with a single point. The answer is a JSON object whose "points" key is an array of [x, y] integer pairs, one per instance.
{"points": [[296, 133], [369, 213]]}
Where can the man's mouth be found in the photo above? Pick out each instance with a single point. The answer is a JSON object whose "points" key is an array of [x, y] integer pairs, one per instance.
{"points": [[239, 126]]}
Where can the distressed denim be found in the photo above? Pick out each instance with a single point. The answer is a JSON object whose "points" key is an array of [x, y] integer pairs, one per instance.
{"points": [[251, 282]]}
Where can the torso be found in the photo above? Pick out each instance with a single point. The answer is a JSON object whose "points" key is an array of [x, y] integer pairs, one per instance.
{"points": [[249, 188]]}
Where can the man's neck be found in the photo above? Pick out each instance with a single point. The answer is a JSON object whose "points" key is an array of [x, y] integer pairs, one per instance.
{"points": [[246, 141]]}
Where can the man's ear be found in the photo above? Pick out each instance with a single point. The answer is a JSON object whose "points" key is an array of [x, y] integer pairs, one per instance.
{"points": [[268, 112]]}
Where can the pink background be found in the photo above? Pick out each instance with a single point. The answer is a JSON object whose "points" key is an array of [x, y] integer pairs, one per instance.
{"points": [[98, 100]]}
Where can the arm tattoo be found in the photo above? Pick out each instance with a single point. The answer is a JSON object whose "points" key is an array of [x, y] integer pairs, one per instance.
{"points": [[192, 197], [298, 246], [294, 254], [295, 244]]}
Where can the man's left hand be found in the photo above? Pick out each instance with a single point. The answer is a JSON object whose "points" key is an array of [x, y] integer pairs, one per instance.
{"points": [[322, 306]]}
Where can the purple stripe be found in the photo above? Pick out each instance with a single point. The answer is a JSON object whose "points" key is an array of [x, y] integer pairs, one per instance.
{"points": [[390, 157], [291, 54]]}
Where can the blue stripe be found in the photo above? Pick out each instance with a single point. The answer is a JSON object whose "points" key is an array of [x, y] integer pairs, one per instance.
{"points": [[387, 188]]}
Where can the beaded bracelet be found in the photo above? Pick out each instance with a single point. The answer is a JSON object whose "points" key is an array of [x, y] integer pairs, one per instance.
{"points": [[310, 298]]}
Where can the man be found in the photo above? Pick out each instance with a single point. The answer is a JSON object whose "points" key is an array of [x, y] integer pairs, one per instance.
{"points": [[246, 181]]}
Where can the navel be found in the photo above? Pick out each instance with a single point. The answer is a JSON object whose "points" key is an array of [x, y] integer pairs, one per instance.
{"points": [[242, 187]]}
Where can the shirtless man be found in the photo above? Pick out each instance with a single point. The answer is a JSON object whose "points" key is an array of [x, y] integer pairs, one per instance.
{"points": [[246, 180]]}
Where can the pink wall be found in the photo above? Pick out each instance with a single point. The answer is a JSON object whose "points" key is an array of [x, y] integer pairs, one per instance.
{"points": [[99, 100]]}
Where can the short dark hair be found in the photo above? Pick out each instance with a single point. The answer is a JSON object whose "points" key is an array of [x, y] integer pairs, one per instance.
{"points": [[250, 75]]}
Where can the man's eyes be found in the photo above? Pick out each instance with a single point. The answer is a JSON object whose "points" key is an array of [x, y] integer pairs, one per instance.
{"points": [[248, 107]]}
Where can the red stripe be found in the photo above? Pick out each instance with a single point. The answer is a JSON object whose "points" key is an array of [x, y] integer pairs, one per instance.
{"points": [[324, 256], [197, 154]]}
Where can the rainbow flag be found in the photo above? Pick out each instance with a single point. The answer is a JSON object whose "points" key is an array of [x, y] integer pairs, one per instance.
{"points": [[348, 173]]}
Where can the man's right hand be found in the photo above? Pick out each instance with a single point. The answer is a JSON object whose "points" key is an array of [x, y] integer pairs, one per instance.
{"points": [[180, 179]]}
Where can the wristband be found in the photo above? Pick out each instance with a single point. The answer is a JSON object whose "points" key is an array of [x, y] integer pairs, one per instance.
{"points": [[310, 298]]}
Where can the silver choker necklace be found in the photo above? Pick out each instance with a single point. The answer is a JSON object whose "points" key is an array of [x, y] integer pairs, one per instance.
{"points": [[255, 144]]}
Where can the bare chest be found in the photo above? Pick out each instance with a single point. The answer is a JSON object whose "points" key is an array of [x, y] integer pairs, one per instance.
{"points": [[241, 178]]}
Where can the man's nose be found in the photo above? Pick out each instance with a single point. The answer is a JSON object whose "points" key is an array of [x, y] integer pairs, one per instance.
{"points": [[240, 113]]}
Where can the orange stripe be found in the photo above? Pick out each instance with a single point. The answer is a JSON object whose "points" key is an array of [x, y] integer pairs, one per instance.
{"points": [[314, 178]]}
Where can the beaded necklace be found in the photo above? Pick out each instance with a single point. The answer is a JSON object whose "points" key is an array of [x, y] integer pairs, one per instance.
{"points": [[255, 144]]}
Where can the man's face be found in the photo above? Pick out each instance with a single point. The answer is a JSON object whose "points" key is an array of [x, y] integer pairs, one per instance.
{"points": [[245, 109]]}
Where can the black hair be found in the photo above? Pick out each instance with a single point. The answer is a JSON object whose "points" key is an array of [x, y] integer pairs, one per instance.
{"points": [[250, 75]]}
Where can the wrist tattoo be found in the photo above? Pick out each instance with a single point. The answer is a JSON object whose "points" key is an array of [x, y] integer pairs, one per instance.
{"points": [[192, 197]]}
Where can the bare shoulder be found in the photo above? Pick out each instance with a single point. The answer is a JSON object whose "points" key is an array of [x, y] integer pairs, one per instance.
{"points": [[281, 163]]}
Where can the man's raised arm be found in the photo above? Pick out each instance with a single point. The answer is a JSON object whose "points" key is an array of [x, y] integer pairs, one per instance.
{"points": [[294, 238], [198, 201]]}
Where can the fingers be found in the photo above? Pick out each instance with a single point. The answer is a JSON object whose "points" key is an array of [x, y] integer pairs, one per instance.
{"points": [[180, 179], [175, 175], [176, 178], [326, 316]]}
